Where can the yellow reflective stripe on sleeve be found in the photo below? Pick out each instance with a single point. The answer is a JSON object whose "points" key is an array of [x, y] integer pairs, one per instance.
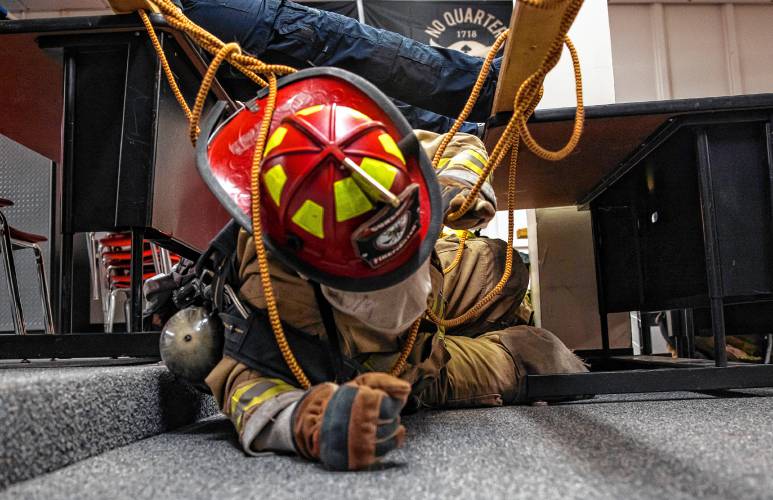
{"points": [[275, 140], [470, 165], [349, 199], [383, 172], [470, 159], [311, 218], [311, 110], [443, 162], [253, 393], [258, 400], [390, 146], [238, 393], [483, 161], [275, 180]]}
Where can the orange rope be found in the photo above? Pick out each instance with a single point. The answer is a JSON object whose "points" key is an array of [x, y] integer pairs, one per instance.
{"points": [[459, 253], [526, 99], [251, 67]]}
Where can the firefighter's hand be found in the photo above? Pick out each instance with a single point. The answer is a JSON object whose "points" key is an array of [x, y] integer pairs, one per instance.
{"points": [[480, 213], [127, 6], [354, 425]]}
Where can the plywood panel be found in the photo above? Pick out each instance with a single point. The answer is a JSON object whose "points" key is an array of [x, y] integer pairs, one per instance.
{"points": [[754, 32], [632, 52], [604, 144], [696, 50], [31, 89]]}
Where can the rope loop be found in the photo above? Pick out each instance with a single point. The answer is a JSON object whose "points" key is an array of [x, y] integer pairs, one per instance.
{"points": [[265, 75]]}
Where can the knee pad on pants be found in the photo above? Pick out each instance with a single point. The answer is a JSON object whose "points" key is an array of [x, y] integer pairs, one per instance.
{"points": [[539, 351]]}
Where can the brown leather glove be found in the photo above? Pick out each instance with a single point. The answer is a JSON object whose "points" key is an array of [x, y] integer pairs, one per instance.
{"points": [[351, 426], [127, 6], [479, 214]]}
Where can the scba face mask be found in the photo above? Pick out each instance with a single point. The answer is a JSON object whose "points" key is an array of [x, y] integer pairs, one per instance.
{"points": [[390, 310]]}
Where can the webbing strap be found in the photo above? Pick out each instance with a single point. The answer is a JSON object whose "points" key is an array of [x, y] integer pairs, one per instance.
{"points": [[333, 341]]}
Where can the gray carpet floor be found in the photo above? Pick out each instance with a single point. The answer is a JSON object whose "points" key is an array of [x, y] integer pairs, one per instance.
{"points": [[679, 445], [50, 418]]}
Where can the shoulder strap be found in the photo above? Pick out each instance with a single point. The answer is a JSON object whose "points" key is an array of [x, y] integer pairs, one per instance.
{"points": [[333, 340]]}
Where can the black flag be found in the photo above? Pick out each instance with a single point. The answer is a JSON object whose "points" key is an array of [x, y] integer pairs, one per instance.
{"points": [[470, 27]]}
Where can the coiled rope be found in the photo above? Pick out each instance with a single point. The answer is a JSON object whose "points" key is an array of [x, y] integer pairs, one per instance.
{"points": [[526, 99], [265, 75]]}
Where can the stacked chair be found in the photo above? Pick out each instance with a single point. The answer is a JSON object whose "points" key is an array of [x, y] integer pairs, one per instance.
{"points": [[111, 262], [11, 240]]}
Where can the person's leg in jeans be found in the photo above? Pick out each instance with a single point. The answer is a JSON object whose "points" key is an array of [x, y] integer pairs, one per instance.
{"points": [[434, 79], [427, 120]]}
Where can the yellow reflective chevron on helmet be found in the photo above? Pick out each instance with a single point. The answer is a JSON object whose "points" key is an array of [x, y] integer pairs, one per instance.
{"points": [[390, 146], [310, 217], [349, 199], [310, 110], [275, 180], [356, 114], [383, 172], [275, 140]]}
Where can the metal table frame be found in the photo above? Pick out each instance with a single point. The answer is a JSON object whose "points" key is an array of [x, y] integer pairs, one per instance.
{"points": [[615, 371], [64, 37]]}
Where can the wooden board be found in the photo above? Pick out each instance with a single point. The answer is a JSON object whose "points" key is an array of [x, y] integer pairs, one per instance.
{"points": [[613, 134], [32, 79], [31, 90], [605, 143], [531, 33]]}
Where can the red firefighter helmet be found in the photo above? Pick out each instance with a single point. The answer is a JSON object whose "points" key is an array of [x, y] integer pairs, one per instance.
{"points": [[348, 198]]}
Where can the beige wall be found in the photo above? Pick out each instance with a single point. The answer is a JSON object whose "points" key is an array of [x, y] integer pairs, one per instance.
{"points": [[564, 281], [28, 9], [677, 49]]}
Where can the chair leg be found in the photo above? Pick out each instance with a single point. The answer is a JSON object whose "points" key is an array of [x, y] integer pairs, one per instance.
{"points": [[6, 248], [93, 264], [111, 298], [155, 252], [45, 298], [127, 314], [166, 260]]}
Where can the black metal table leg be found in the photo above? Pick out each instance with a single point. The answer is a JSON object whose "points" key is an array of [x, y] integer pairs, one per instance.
{"points": [[711, 239], [134, 322], [603, 319]]}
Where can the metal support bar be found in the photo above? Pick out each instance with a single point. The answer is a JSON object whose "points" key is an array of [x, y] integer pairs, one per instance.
{"points": [[601, 296], [654, 380], [711, 244], [65, 254], [79, 345], [134, 321]]}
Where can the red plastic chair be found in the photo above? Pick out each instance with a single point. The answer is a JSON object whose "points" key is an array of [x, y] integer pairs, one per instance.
{"points": [[12, 239]]}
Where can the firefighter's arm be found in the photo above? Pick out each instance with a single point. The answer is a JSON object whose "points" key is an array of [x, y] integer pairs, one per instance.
{"points": [[462, 163], [346, 427]]}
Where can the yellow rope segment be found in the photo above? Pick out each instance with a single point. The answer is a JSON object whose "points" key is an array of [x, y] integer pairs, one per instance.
{"points": [[459, 253], [526, 99], [252, 67]]}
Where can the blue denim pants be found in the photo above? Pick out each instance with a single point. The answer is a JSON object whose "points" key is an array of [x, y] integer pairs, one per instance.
{"points": [[428, 84]]}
